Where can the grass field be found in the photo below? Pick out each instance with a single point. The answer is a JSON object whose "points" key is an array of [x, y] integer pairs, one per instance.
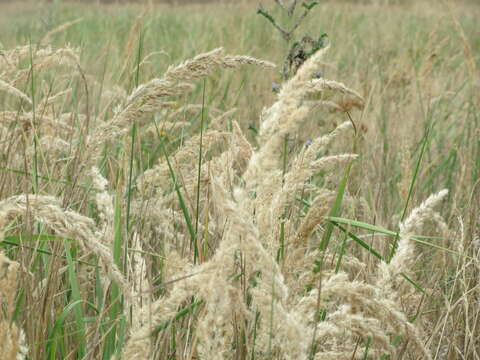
{"points": [[162, 198]]}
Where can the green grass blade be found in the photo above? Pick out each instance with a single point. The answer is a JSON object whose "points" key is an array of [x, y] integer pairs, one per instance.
{"points": [[336, 207], [185, 311], [361, 225], [56, 334], [375, 253], [378, 229], [415, 285], [77, 300], [359, 241]]}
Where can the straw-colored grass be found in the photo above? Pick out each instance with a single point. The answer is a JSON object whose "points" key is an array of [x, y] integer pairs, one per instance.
{"points": [[159, 201]]}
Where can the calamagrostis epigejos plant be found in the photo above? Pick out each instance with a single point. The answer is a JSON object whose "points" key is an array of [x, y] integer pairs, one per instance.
{"points": [[253, 284], [247, 202], [12, 338]]}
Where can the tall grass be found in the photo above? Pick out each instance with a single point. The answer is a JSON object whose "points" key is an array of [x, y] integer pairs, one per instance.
{"points": [[159, 201]]}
